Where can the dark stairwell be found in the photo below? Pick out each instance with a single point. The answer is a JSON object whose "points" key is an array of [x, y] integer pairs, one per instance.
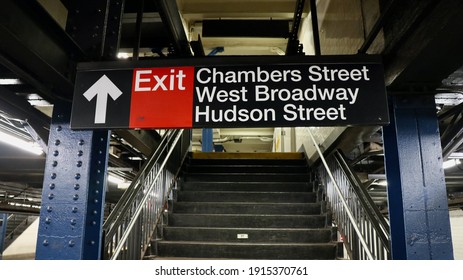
{"points": [[247, 206]]}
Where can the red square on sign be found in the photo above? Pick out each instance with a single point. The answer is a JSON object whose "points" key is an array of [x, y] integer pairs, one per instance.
{"points": [[162, 98]]}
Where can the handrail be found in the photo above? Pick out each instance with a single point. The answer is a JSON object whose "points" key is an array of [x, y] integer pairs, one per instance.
{"points": [[343, 200], [130, 225], [364, 230], [128, 196], [374, 213]]}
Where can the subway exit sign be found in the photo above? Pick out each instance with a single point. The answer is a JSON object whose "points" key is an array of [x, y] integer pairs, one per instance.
{"points": [[231, 92]]}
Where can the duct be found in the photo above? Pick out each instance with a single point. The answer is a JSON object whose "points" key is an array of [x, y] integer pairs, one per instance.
{"points": [[222, 140], [263, 139], [240, 139]]}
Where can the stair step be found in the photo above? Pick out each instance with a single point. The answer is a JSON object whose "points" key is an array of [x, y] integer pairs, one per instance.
{"points": [[276, 197], [247, 156], [246, 235], [246, 177], [324, 251], [246, 221], [247, 208], [249, 186], [246, 168], [269, 162]]}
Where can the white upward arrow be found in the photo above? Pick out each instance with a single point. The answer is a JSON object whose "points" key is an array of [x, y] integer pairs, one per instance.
{"points": [[101, 89]]}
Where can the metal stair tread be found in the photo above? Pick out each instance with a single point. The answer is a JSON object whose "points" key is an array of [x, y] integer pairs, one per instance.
{"points": [[241, 165], [245, 192], [247, 203], [329, 244], [251, 229], [252, 182], [245, 173], [251, 156], [250, 215]]}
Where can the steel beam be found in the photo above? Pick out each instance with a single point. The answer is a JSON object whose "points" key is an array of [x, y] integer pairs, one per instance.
{"points": [[72, 210], [418, 51], [385, 14], [96, 26], [417, 198], [145, 141], [170, 16], [293, 46], [315, 28], [34, 46]]}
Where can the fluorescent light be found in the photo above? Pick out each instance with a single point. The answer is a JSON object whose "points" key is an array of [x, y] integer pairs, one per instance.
{"points": [[383, 183], [450, 163], [135, 158], [31, 147], [123, 55], [115, 180], [123, 186], [9, 82]]}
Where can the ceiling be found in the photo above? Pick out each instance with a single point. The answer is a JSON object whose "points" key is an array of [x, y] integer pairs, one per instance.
{"points": [[420, 42]]}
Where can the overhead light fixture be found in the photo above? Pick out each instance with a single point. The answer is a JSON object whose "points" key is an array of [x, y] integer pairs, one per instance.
{"points": [[135, 158], [28, 146], [382, 183], [10, 82], [123, 55], [450, 163], [115, 180]]}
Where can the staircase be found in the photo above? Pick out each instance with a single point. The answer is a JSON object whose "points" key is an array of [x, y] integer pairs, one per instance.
{"points": [[247, 206]]}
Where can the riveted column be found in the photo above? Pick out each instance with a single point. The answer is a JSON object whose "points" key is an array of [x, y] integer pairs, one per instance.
{"points": [[73, 192], [75, 175], [417, 197]]}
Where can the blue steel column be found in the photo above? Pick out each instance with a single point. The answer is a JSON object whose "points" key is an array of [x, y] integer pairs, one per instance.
{"points": [[75, 175], [3, 225], [207, 144], [417, 197], [71, 215]]}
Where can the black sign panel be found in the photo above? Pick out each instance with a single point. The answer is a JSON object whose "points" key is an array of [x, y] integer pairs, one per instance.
{"points": [[232, 92]]}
